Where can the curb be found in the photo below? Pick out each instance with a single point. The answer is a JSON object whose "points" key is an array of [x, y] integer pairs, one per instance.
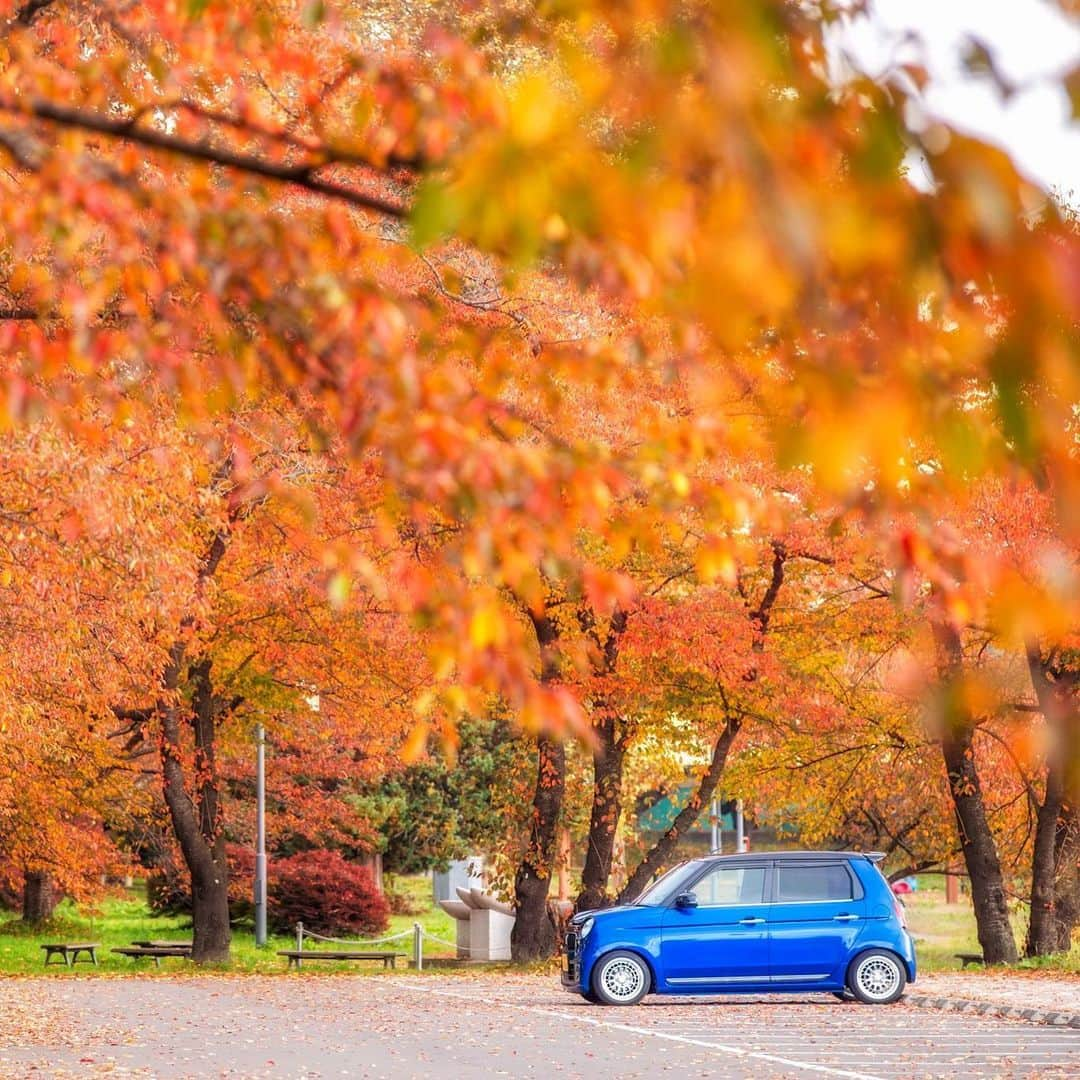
{"points": [[982, 1008]]}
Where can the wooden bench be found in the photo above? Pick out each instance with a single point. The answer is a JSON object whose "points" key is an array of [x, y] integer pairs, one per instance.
{"points": [[69, 951], [966, 958], [156, 952], [296, 956]]}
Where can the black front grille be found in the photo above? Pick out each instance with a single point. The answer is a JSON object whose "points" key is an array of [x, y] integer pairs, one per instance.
{"points": [[571, 949]]}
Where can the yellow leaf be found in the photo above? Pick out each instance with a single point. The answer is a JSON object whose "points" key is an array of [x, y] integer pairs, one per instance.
{"points": [[416, 743], [716, 561], [487, 627]]}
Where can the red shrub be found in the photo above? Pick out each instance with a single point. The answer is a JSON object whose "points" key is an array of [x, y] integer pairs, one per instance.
{"points": [[326, 893]]}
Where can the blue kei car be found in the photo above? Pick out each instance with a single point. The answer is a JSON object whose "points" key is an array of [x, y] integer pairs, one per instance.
{"points": [[747, 924]]}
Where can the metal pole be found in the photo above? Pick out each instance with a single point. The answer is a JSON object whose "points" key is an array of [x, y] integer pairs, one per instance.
{"points": [[714, 818], [418, 946], [260, 836], [740, 843]]}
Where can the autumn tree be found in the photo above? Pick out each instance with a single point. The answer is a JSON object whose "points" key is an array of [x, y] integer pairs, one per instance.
{"points": [[395, 223]]}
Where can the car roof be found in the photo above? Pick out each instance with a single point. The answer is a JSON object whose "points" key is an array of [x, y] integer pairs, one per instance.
{"points": [[798, 856]]}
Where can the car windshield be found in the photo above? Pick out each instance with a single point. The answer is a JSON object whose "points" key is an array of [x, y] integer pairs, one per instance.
{"points": [[666, 887]]}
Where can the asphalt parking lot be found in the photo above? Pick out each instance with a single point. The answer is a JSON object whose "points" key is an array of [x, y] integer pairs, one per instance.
{"points": [[313, 1025]]}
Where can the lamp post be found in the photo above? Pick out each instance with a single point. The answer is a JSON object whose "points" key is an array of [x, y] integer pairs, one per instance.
{"points": [[260, 835]]}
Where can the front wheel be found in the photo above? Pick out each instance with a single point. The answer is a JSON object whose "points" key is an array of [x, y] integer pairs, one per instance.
{"points": [[877, 977], [620, 978]]}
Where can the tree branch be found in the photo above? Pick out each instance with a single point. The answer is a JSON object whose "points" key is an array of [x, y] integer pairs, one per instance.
{"points": [[27, 13], [302, 175]]}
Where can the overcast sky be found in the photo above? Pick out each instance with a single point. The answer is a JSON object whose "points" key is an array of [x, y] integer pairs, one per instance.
{"points": [[1032, 45]]}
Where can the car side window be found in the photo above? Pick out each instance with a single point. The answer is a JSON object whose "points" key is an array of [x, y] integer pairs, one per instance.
{"points": [[828, 881], [727, 885]]}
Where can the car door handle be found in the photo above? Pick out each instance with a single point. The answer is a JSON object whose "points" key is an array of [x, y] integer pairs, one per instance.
{"points": [[750, 922], [844, 918]]}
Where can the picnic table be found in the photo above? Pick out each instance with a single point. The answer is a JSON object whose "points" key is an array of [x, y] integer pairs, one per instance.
{"points": [[69, 951], [295, 956], [155, 950]]}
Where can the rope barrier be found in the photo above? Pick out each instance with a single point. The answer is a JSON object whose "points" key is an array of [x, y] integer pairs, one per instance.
{"points": [[352, 941], [417, 933], [453, 945]]}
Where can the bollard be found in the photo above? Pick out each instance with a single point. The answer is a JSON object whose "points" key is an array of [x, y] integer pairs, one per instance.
{"points": [[418, 946], [299, 942]]}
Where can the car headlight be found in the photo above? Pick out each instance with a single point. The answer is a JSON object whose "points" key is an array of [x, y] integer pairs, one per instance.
{"points": [[586, 928]]}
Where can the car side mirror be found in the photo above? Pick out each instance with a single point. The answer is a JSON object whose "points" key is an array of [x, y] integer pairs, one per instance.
{"points": [[686, 900]]}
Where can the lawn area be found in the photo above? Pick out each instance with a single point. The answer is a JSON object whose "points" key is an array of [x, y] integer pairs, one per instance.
{"points": [[120, 920], [941, 930]]}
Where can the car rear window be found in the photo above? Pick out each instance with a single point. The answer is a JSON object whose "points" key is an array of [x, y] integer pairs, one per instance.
{"points": [[829, 881]]}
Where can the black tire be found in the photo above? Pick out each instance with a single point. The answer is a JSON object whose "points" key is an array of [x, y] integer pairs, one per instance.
{"points": [[620, 978], [877, 977], [842, 995], [590, 997]]}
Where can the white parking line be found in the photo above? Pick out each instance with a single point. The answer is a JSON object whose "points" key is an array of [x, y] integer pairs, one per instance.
{"points": [[738, 1051]]}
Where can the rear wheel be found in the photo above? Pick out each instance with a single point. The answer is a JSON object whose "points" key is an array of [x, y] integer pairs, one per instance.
{"points": [[877, 977], [620, 978], [589, 996]]}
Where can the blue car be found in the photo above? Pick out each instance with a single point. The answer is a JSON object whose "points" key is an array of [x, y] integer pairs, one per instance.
{"points": [[822, 921]]}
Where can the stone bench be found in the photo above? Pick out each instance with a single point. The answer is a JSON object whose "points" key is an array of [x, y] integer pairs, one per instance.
{"points": [[966, 958]]}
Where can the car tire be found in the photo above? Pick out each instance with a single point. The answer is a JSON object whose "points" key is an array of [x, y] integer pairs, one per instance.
{"points": [[877, 977], [620, 978], [590, 997]]}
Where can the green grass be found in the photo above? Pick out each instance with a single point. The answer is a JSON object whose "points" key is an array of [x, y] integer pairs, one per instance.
{"points": [[941, 930], [119, 921]]}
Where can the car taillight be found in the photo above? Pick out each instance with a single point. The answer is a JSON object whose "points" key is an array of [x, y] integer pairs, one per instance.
{"points": [[901, 914]]}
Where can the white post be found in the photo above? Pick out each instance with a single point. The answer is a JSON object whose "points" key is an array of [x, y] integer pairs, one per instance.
{"points": [[260, 835], [418, 946]]}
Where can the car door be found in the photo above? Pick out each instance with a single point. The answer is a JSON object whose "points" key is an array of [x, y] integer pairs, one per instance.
{"points": [[723, 939], [814, 920]]}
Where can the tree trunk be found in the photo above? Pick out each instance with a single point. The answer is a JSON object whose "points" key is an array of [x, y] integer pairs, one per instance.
{"points": [[661, 852], [196, 816], [604, 821], [1067, 885], [1042, 935], [39, 899], [976, 839], [533, 936], [1055, 874], [607, 765]]}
